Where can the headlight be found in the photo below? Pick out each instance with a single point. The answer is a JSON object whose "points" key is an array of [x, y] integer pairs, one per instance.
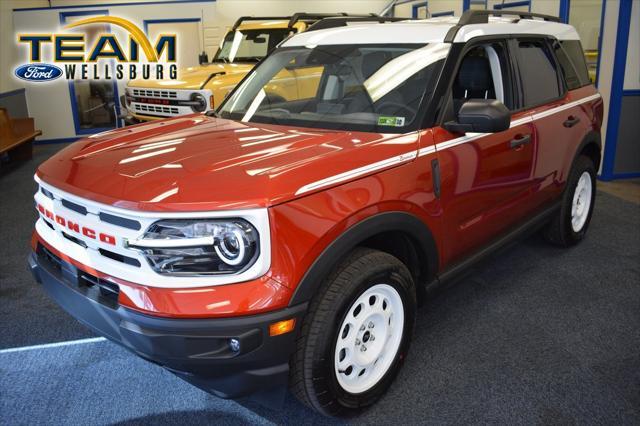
{"points": [[199, 102], [199, 246]]}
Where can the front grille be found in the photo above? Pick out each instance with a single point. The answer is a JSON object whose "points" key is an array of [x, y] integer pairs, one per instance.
{"points": [[104, 217], [119, 257], [48, 194], [120, 221], [168, 94], [51, 259], [156, 108], [98, 289], [75, 207], [90, 215], [78, 241]]}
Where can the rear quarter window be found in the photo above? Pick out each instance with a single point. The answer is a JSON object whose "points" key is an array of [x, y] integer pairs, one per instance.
{"points": [[574, 51], [538, 73]]}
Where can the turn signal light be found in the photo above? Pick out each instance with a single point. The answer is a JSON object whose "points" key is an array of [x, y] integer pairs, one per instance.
{"points": [[211, 102], [282, 327]]}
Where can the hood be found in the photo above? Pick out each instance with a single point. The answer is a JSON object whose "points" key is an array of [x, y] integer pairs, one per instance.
{"points": [[201, 163], [193, 77]]}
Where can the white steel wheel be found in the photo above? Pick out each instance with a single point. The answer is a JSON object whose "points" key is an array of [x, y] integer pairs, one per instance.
{"points": [[369, 338], [581, 205]]}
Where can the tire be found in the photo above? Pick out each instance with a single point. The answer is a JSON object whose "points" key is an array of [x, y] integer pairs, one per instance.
{"points": [[365, 275], [569, 226]]}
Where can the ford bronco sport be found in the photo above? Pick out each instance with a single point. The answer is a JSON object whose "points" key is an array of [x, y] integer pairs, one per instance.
{"points": [[266, 243], [202, 87]]}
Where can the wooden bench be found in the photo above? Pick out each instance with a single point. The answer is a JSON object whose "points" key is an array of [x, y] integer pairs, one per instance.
{"points": [[16, 136]]}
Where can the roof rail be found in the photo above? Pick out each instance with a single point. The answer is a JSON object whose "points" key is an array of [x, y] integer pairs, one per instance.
{"points": [[258, 18], [314, 17], [343, 21], [482, 17]]}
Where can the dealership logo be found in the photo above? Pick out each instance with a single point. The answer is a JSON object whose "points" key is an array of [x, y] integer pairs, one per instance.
{"points": [[38, 72], [103, 58]]}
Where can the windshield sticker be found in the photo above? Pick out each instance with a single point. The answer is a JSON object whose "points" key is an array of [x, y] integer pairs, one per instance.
{"points": [[391, 121]]}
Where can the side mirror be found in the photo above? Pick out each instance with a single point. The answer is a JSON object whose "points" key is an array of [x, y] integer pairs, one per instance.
{"points": [[481, 116], [203, 58]]}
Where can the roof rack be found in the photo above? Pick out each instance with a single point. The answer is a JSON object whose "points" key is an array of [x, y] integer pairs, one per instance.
{"points": [[309, 18], [258, 18], [312, 18], [482, 17], [343, 21]]}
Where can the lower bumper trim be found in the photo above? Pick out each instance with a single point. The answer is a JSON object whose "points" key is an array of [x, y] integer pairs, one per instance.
{"points": [[196, 350]]}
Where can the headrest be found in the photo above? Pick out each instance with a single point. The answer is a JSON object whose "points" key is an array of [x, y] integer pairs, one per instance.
{"points": [[372, 62], [475, 74]]}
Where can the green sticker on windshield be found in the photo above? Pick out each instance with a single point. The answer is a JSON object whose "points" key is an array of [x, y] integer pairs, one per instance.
{"points": [[391, 121]]}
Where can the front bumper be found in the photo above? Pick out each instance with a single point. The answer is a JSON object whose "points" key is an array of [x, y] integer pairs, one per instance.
{"points": [[197, 350]]}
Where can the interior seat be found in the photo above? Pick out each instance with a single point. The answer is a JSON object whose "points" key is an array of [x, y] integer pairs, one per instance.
{"points": [[360, 100], [474, 81]]}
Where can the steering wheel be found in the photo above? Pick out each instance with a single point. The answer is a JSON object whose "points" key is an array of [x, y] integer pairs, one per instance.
{"points": [[278, 110], [398, 106]]}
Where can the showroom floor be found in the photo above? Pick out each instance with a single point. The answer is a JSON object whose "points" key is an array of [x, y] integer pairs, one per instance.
{"points": [[536, 335]]}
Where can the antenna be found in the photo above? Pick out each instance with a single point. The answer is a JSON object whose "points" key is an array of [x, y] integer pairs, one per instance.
{"points": [[203, 58]]}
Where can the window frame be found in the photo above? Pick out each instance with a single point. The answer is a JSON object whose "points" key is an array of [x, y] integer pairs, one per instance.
{"points": [[548, 43], [583, 63], [444, 107]]}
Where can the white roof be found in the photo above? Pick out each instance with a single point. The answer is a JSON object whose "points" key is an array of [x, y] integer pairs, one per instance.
{"points": [[431, 30]]}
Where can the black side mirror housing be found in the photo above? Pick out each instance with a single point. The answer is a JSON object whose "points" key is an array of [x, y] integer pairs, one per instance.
{"points": [[481, 116], [203, 58]]}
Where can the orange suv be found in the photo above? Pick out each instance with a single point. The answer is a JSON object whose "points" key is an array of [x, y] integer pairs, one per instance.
{"points": [[287, 242]]}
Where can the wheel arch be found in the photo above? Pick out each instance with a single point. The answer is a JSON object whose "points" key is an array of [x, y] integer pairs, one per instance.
{"points": [[400, 234], [591, 146]]}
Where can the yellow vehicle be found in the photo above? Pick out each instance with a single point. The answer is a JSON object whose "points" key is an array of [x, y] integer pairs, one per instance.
{"points": [[203, 87]]}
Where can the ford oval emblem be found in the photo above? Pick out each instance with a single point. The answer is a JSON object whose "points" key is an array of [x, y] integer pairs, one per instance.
{"points": [[38, 72]]}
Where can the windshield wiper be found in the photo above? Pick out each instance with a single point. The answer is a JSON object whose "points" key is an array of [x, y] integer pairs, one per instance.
{"points": [[212, 113]]}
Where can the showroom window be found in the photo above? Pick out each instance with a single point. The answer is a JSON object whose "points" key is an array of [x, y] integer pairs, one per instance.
{"points": [[93, 101]]}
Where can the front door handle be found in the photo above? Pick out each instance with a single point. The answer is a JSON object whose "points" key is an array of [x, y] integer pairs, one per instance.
{"points": [[520, 140], [571, 121]]}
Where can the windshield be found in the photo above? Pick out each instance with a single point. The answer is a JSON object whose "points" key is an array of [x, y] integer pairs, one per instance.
{"points": [[249, 45], [349, 87]]}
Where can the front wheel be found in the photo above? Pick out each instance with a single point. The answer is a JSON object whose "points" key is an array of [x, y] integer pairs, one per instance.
{"points": [[356, 334], [569, 226]]}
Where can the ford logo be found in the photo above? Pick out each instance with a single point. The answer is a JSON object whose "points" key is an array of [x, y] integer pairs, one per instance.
{"points": [[38, 72]]}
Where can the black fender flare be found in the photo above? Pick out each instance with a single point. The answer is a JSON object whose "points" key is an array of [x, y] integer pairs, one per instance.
{"points": [[354, 236], [592, 137]]}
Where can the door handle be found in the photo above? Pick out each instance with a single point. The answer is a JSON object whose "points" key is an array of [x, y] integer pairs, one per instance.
{"points": [[571, 121], [519, 141]]}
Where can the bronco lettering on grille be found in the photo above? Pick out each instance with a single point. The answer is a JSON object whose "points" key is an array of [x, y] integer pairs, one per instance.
{"points": [[78, 228]]}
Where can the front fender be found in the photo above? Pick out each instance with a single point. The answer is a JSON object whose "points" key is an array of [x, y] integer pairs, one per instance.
{"points": [[354, 236]]}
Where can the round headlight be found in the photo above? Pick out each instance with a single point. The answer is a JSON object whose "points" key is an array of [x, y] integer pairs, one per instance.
{"points": [[231, 247], [199, 246], [201, 102]]}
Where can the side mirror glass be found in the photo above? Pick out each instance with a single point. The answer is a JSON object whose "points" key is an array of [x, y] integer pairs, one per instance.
{"points": [[481, 116]]}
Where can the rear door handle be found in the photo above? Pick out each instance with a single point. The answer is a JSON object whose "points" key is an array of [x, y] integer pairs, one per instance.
{"points": [[571, 121], [520, 140]]}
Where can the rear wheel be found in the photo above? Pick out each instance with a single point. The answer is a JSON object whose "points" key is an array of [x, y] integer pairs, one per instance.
{"points": [[356, 334], [569, 226]]}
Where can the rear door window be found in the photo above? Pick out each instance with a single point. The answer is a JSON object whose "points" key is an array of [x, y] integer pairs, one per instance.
{"points": [[538, 73]]}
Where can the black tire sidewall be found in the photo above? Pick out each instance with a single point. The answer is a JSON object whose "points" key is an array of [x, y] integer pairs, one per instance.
{"points": [[328, 340]]}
